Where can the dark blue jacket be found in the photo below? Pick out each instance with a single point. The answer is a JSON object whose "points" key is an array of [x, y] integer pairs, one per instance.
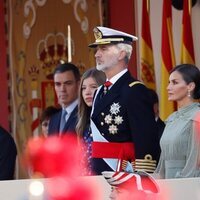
{"points": [[70, 126], [137, 123], [8, 153]]}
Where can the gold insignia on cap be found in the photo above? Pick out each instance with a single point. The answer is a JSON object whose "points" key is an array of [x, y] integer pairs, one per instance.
{"points": [[104, 36], [97, 34]]}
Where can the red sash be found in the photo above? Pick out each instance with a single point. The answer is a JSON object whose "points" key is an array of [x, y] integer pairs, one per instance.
{"points": [[124, 151]]}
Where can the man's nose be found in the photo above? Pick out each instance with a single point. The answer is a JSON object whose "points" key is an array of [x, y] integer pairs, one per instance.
{"points": [[62, 87], [97, 54]]}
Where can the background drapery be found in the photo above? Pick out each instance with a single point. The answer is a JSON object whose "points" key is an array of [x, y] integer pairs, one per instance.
{"points": [[33, 28], [3, 69], [38, 39]]}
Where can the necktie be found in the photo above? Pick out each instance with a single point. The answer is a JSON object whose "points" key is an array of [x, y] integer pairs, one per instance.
{"points": [[63, 120], [102, 92], [107, 84]]}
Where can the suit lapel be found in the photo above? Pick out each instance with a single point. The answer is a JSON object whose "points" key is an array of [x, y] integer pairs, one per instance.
{"points": [[104, 102], [56, 121], [98, 97], [72, 118]]}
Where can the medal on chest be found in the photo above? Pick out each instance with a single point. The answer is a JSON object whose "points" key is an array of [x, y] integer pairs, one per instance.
{"points": [[113, 119]]}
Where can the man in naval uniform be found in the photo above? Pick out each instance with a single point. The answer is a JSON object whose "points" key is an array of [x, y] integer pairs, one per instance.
{"points": [[122, 120]]}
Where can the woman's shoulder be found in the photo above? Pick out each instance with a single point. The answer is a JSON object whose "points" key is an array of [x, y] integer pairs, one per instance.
{"points": [[194, 114], [171, 117], [187, 113]]}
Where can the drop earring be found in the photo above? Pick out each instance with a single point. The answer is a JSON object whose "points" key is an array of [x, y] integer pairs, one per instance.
{"points": [[189, 94]]}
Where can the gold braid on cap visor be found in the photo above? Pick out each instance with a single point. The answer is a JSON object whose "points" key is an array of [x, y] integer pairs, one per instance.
{"points": [[108, 40]]}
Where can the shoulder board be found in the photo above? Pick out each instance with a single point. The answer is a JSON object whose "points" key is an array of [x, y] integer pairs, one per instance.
{"points": [[135, 83]]}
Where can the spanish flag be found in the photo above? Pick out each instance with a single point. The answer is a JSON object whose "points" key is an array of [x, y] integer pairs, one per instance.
{"points": [[187, 49], [168, 59], [147, 62]]}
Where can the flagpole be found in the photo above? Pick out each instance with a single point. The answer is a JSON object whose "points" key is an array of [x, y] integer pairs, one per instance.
{"points": [[189, 6], [148, 6], [69, 44]]}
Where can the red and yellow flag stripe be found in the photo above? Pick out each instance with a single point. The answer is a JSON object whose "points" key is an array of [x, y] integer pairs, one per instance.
{"points": [[168, 59], [147, 61], [187, 49]]}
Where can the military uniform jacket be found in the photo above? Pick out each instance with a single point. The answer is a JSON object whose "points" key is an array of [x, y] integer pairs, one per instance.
{"points": [[125, 114]]}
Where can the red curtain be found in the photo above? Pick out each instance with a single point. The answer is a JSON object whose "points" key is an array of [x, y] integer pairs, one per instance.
{"points": [[124, 22], [3, 71]]}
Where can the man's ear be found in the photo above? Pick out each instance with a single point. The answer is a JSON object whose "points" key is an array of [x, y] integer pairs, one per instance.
{"points": [[122, 55]]}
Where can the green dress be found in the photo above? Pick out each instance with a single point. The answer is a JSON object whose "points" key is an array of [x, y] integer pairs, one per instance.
{"points": [[180, 144]]}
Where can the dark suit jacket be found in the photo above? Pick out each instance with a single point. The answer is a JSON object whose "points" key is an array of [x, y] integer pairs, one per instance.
{"points": [[8, 153], [161, 126], [138, 123], [70, 126]]}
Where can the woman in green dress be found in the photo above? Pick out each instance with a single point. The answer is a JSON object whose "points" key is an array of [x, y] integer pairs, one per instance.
{"points": [[180, 142]]}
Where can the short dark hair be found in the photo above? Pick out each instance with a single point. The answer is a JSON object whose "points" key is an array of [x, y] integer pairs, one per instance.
{"points": [[48, 113], [190, 73], [67, 67]]}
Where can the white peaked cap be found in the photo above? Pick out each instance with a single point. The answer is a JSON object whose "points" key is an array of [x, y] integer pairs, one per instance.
{"points": [[141, 181], [104, 35]]}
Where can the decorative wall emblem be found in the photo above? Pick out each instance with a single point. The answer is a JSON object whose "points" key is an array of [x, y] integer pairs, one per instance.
{"points": [[30, 10], [51, 50]]}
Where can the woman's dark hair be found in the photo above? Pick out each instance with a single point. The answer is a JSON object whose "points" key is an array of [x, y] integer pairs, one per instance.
{"points": [[190, 73], [48, 112]]}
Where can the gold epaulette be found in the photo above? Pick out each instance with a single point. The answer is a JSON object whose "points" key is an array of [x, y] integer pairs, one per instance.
{"points": [[124, 164], [134, 83], [147, 164]]}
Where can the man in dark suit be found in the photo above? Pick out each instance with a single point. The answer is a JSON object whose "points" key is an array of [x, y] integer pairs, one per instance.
{"points": [[155, 101], [8, 153], [122, 120], [66, 81]]}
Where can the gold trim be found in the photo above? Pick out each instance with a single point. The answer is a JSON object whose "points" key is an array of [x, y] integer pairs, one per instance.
{"points": [[97, 33], [145, 161], [148, 157], [124, 164], [135, 83], [109, 40], [145, 166]]}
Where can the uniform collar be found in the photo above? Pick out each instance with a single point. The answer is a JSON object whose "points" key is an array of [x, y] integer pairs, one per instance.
{"points": [[117, 76], [71, 107]]}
